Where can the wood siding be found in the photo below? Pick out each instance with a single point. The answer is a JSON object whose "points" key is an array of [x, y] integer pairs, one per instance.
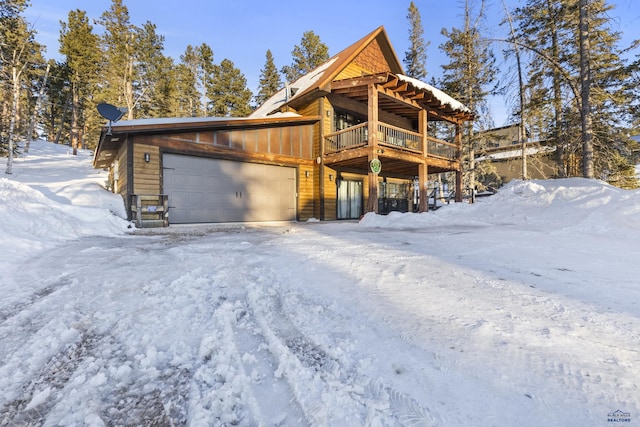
{"points": [[330, 194], [147, 176], [120, 184], [313, 109], [284, 146], [290, 141], [370, 61], [306, 201]]}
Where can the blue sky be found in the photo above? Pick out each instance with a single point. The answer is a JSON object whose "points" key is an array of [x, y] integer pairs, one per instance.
{"points": [[243, 30]]}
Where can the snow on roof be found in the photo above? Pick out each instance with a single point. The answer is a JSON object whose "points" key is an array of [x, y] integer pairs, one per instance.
{"points": [[440, 95], [285, 114], [172, 120], [299, 86], [516, 153]]}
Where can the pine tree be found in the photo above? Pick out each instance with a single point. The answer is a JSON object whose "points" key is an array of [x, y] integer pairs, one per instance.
{"points": [[206, 69], [270, 81], [19, 55], [564, 58], [119, 64], [187, 74], [415, 59], [469, 77], [308, 55], [57, 90], [154, 69], [79, 45], [547, 26], [228, 91]]}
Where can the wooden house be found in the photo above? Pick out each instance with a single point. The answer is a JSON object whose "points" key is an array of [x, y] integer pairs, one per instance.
{"points": [[348, 138], [500, 147]]}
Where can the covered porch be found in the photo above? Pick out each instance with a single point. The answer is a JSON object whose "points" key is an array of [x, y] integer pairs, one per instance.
{"points": [[391, 140]]}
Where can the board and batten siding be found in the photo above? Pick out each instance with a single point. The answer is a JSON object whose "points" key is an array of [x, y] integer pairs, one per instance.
{"points": [[292, 142]]}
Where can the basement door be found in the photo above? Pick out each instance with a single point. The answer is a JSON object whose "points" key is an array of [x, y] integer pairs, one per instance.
{"points": [[204, 190]]}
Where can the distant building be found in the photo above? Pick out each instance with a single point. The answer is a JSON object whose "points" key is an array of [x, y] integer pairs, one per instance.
{"points": [[501, 148]]}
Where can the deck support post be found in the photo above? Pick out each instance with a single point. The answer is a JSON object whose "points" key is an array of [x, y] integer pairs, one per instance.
{"points": [[372, 144], [424, 194], [423, 171], [458, 140]]}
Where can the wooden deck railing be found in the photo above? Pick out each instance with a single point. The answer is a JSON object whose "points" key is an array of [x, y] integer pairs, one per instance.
{"points": [[439, 148], [390, 136], [401, 138], [355, 136]]}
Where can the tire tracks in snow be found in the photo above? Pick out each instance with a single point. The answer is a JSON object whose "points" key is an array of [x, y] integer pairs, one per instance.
{"points": [[69, 348], [16, 308], [327, 389], [33, 404]]}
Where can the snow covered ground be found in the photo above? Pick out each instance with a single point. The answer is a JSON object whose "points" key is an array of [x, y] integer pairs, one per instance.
{"points": [[522, 309]]}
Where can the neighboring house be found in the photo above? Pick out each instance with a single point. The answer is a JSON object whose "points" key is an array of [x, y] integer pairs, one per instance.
{"points": [[348, 138], [501, 147], [502, 137]]}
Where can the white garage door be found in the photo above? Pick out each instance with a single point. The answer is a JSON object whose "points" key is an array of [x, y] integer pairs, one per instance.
{"points": [[213, 190]]}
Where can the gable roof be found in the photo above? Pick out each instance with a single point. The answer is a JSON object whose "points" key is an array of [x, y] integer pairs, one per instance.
{"points": [[320, 81], [321, 77]]}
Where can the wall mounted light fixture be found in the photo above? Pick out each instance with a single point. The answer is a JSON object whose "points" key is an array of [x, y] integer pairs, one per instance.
{"points": [[330, 177], [306, 173], [147, 157]]}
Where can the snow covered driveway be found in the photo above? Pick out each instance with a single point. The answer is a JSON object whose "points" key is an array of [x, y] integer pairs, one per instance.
{"points": [[322, 324]]}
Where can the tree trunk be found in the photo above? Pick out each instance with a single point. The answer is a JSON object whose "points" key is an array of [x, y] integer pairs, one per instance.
{"points": [[36, 110], [558, 136], [74, 118], [521, 125], [63, 118], [585, 85], [14, 114]]}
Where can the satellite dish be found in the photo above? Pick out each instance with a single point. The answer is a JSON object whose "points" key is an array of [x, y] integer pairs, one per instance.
{"points": [[111, 113]]}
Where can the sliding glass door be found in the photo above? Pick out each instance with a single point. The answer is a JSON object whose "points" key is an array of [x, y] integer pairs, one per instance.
{"points": [[349, 199]]}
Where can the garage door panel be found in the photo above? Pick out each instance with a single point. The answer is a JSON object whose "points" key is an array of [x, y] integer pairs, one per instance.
{"points": [[214, 190]]}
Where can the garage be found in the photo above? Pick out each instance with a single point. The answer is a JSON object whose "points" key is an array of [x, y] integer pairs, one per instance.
{"points": [[204, 190]]}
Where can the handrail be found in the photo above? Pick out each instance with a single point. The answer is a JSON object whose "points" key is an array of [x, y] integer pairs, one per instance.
{"points": [[398, 137], [391, 136], [440, 148], [347, 138]]}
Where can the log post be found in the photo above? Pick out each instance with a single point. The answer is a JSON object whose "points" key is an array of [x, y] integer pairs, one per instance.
{"points": [[372, 144]]}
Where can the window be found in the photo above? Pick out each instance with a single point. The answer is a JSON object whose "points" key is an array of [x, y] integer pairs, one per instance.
{"points": [[344, 120]]}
